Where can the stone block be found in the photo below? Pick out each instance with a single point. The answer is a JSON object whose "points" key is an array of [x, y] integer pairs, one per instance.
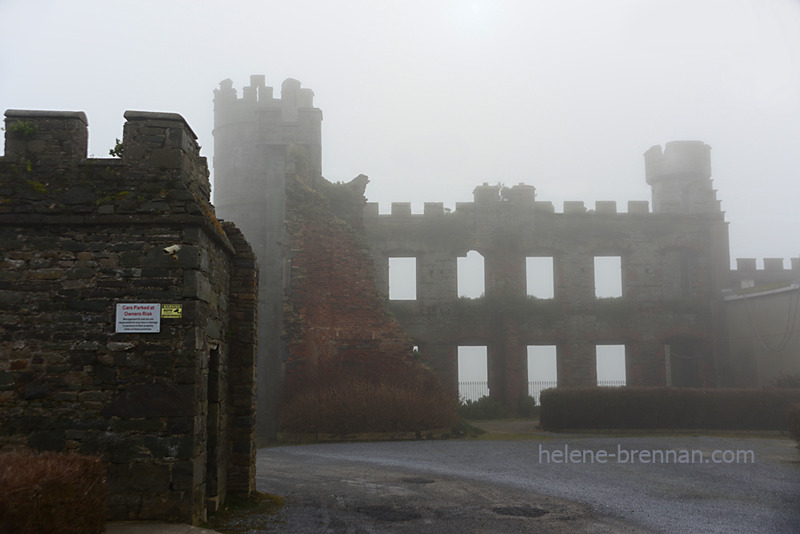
{"points": [[149, 478], [574, 206], [746, 264], [401, 209], [605, 206], [153, 400], [638, 207], [47, 440]]}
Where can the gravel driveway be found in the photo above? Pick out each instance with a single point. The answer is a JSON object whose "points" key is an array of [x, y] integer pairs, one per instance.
{"points": [[549, 483]]}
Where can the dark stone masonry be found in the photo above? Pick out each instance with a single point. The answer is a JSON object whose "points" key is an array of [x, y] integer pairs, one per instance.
{"points": [[128, 313]]}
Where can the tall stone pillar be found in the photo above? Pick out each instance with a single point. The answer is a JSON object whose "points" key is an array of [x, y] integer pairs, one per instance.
{"points": [[258, 139]]}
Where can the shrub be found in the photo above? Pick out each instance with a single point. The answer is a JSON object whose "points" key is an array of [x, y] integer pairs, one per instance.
{"points": [[663, 408], [483, 408], [357, 404], [787, 381], [52, 492], [794, 422], [527, 407]]}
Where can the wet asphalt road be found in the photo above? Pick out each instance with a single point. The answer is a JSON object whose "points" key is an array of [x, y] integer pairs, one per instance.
{"points": [[532, 486]]}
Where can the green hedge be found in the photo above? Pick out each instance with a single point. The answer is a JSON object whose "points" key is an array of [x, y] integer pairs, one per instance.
{"points": [[666, 408], [482, 409]]}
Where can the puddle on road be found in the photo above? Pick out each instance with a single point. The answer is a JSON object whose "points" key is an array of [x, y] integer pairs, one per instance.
{"points": [[387, 513], [418, 480], [519, 511]]}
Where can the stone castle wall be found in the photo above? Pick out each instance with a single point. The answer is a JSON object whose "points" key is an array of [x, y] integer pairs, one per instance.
{"points": [[670, 270], [674, 260], [171, 411]]}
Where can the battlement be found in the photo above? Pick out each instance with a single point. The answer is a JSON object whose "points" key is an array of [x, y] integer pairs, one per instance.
{"points": [[773, 274], [680, 178], [294, 99], [771, 265], [45, 156], [519, 197], [287, 131], [59, 135], [149, 138], [688, 159]]}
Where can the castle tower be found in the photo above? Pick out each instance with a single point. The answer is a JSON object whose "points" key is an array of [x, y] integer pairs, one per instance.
{"points": [[257, 140], [680, 178]]}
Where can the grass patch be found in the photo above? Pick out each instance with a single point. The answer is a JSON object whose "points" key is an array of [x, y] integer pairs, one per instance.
{"points": [[464, 429], [239, 516]]}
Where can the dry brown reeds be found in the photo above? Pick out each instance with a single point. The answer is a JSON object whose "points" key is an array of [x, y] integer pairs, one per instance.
{"points": [[52, 493]]}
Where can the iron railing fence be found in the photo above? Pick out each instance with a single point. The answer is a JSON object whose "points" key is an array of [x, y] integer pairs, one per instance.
{"points": [[535, 387], [473, 390]]}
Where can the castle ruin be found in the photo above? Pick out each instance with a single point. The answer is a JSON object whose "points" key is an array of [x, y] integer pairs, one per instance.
{"points": [[673, 255]]}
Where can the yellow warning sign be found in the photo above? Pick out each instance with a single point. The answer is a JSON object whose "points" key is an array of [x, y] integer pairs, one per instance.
{"points": [[171, 311]]}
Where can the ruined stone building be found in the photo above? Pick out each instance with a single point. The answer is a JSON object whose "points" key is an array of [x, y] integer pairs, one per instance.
{"points": [[127, 313], [672, 254]]}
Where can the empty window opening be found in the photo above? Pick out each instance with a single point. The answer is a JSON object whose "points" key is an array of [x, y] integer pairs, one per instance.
{"points": [[473, 373], [402, 278], [607, 277], [542, 369], [470, 275], [539, 277], [610, 365]]}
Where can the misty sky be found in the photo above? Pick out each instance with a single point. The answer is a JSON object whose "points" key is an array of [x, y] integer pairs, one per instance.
{"points": [[431, 98]]}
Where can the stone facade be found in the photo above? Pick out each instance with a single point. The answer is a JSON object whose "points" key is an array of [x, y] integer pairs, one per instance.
{"points": [[674, 258], [166, 399], [673, 261]]}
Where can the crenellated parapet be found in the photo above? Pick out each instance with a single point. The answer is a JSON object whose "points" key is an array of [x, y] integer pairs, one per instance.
{"points": [[680, 178], [258, 139], [747, 274], [518, 207], [258, 118], [59, 136], [45, 170], [293, 100]]}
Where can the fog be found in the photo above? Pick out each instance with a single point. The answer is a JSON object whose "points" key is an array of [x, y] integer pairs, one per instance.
{"points": [[430, 99]]}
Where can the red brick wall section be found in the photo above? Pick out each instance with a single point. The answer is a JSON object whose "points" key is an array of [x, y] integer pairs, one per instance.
{"points": [[335, 318]]}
